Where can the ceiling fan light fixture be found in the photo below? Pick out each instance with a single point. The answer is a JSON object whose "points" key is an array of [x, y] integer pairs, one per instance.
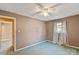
{"points": [[45, 13]]}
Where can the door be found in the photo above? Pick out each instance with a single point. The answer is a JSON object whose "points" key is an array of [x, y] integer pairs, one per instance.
{"points": [[5, 35]]}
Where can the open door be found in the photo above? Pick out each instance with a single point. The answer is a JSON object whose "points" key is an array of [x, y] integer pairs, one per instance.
{"points": [[7, 33]]}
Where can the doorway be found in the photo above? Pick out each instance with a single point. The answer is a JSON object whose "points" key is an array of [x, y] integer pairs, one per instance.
{"points": [[7, 33]]}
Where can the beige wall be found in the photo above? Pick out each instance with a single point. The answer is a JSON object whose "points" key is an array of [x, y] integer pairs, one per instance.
{"points": [[49, 30], [73, 30], [72, 26], [31, 30]]}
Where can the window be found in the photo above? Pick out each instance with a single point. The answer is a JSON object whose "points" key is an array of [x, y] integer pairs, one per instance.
{"points": [[59, 27]]}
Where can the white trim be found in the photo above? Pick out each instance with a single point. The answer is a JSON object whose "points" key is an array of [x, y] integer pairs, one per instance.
{"points": [[31, 45], [50, 41], [72, 46]]}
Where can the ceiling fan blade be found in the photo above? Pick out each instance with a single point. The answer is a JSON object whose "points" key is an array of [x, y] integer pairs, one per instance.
{"points": [[50, 13], [36, 13], [56, 5], [40, 5]]}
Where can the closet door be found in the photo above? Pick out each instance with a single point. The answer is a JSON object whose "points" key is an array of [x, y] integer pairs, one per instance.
{"points": [[6, 35]]}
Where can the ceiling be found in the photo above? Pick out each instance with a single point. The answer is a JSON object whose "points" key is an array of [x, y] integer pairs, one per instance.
{"points": [[27, 9]]}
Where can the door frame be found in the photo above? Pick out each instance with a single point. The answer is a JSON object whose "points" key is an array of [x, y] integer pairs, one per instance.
{"points": [[13, 30]]}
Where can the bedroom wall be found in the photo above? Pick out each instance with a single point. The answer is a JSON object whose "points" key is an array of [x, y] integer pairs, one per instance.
{"points": [[31, 30], [73, 30], [72, 26]]}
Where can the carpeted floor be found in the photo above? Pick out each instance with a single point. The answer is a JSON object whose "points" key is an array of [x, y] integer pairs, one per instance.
{"points": [[46, 48]]}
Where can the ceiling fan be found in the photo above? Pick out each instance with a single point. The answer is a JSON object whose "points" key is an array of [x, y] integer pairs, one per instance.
{"points": [[45, 11]]}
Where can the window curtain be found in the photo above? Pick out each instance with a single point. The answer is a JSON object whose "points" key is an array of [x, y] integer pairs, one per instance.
{"points": [[60, 37]]}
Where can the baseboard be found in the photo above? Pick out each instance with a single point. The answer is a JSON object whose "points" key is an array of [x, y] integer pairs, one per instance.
{"points": [[72, 46], [31, 45], [50, 41]]}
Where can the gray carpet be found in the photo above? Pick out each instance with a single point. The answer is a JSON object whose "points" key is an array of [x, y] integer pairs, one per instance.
{"points": [[46, 48]]}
